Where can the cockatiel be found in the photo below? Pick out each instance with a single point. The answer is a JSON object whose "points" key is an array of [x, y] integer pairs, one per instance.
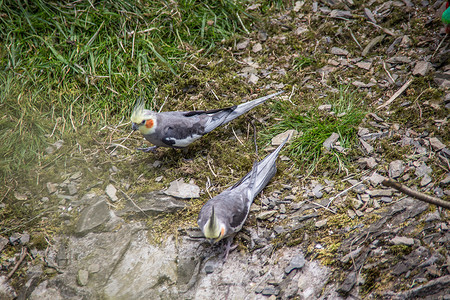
{"points": [[446, 17], [178, 129], [224, 215]]}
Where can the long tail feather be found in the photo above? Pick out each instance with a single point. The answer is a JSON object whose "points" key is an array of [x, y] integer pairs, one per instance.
{"points": [[229, 114]]}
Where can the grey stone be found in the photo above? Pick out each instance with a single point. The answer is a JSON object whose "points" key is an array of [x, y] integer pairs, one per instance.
{"points": [[279, 138], [321, 223], [266, 214], [331, 140], [93, 268], [111, 192], [375, 179], [422, 170], [422, 68], [364, 65], [339, 51], [348, 284], [445, 181], [297, 262], [335, 13], [400, 268], [352, 255], [386, 199], [433, 216], [317, 191], [257, 48], [370, 162], [180, 189], [270, 290], [399, 60], [426, 179], [325, 107], [51, 187], [3, 243], [25, 238], [379, 193], [368, 13], [396, 168], [242, 45], [253, 79], [436, 144], [72, 188], [92, 217], [152, 203], [402, 240], [6, 290], [367, 146], [82, 277], [438, 285]]}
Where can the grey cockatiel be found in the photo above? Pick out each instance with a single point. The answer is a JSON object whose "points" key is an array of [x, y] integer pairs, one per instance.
{"points": [[223, 216], [178, 129]]}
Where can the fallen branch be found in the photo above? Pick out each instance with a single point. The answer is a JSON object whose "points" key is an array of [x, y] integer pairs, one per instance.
{"points": [[22, 257], [396, 94], [418, 195]]}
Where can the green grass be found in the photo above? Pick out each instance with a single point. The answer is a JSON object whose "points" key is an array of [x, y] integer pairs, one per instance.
{"points": [[316, 126], [65, 64]]}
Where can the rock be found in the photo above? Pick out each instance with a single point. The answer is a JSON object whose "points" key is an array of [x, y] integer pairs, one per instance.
{"points": [[426, 179], [257, 47], [379, 193], [298, 5], [433, 287], [94, 268], [3, 243], [367, 146], [297, 262], [364, 65], [51, 187], [111, 192], [82, 277], [325, 107], [152, 203], [92, 217], [335, 13], [422, 170], [422, 68], [372, 44], [300, 30], [339, 51], [433, 216], [436, 144], [321, 223], [331, 140], [242, 45], [400, 268], [25, 238], [270, 290], [402, 240], [279, 138], [399, 60], [348, 284], [368, 13], [368, 162], [6, 291], [45, 292], [396, 168], [352, 255], [253, 79], [72, 188], [317, 191], [14, 238], [180, 189], [209, 267], [266, 214]]}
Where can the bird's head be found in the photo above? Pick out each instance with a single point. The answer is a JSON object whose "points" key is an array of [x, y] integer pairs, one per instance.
{"points": [[143, 119], [214, 229]]}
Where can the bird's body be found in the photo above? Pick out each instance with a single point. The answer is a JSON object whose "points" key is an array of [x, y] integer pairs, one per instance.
{"points": [[224, 215], [178, 129], [446, 17]]}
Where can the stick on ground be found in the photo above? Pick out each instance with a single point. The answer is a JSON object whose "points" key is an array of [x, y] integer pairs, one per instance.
{"points": [[418, 195]]}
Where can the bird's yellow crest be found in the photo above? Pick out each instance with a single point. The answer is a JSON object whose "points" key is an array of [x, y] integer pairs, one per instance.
{"points": [[137, 116], [212, 228]]}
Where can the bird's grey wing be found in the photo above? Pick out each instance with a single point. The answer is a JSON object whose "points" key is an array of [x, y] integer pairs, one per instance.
{"points": [[177, 130]]}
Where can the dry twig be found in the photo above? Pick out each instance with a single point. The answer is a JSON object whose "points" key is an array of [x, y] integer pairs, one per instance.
{"points": [[396, 94], [22, 257], [416, 194]]}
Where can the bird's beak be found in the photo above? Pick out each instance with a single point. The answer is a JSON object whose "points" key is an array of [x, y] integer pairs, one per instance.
{"points": [[134, 127]]}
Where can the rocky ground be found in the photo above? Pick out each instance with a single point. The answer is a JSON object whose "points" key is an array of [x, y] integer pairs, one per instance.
{"points": [[336, 235]]}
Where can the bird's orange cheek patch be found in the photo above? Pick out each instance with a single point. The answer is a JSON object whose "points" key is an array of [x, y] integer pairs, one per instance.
{"points": [[222, 232], [149, 124]]}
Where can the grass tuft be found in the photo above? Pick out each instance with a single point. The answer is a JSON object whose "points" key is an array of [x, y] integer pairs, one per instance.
{"points": [[315, 126]]}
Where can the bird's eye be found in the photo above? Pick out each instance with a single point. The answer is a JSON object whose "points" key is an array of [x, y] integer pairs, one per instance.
{"points": [[143, 122]]}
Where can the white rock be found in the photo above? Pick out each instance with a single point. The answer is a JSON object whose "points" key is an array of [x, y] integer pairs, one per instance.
{"points": [[180, 189], [278, 139], [257, 47], [111, 192]]}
